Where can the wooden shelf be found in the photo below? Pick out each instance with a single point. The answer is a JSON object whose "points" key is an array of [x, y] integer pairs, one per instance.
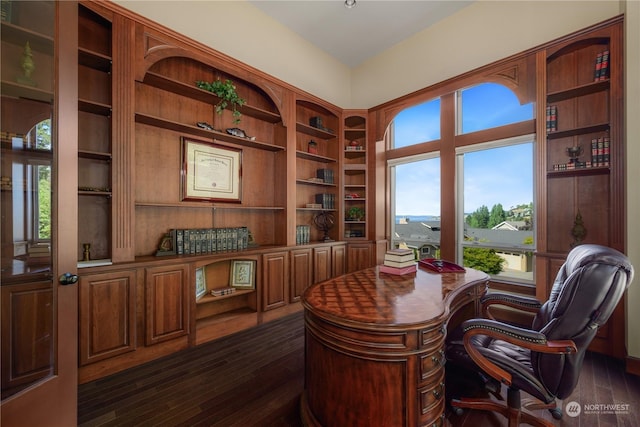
{"points": [[314, 157], [208, 205], [355, 167], [581, 90], [95, 155], [208, 299], [599, 127], [307, 182], [15, 34], [94, 107], [94, 60], [94, 193], [194, 130], [17, 90], [318, 133], [316, 210], [194, 92], [579, 172]]}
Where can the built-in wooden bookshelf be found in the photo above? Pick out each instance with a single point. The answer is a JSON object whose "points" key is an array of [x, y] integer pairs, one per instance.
{"points": [[579, 199]]}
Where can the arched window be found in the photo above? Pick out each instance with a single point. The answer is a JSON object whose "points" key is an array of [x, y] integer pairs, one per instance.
{"points": [[489, 105], [417, 124]]}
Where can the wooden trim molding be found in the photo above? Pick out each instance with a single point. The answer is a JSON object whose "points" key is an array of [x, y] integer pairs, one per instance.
{"points": [[632, 365]]}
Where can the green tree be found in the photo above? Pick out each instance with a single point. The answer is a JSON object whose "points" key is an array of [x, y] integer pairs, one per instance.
{"points": [[497, 216], [483, 259], [44, 202], [479, 218]]}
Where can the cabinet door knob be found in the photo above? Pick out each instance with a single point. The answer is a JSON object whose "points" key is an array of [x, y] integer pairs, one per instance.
{"points": [[68, 279]]}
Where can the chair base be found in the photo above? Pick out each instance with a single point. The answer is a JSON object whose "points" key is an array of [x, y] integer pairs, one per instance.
{"points": [[512, 411]]}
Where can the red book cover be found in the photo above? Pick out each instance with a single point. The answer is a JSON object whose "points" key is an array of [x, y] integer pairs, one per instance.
{"points": [[397, 271], [441, 266]]}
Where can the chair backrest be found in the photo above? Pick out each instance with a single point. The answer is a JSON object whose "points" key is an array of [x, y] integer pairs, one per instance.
{"points": [[586, 290]]}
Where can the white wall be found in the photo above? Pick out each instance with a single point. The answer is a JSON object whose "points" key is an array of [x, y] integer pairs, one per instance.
{"points": [[245, 33], [632, 121], [477, 35]]}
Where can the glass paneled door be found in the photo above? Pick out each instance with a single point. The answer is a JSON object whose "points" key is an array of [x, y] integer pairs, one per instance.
{"points": [[39, 314]]}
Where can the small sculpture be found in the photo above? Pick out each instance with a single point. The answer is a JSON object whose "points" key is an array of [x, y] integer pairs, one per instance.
{"points": [[86, 253], [324, 221], [28, 66], [578, 231]]}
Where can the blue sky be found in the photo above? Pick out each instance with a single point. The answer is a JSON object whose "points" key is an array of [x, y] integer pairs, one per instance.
{"points": [[484, 106]]}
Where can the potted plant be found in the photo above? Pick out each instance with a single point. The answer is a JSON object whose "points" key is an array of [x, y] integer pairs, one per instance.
{"points": [[226, 91], [355, 213]]}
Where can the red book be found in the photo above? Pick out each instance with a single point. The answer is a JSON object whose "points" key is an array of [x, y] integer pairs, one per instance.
{"points": [[441, 266], [398, 271], [604, 68], [598, 67]]}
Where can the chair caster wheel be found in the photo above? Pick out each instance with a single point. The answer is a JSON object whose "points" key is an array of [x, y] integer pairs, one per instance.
{"points": [[556, 413], [457, 411]]}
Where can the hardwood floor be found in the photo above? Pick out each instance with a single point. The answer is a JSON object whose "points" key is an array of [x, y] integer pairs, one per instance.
{"points": [[255, 377]]}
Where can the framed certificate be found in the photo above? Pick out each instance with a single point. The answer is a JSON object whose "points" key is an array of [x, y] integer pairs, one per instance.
{"points": [[210, 172]]}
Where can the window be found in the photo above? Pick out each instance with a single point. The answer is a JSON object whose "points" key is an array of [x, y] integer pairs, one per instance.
{"points": [[416, 204], [492, 193], [489, 105], [417, 124], [496, 207]]}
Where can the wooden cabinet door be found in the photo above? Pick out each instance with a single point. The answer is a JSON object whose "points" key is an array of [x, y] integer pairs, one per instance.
{"points": [[107, 315], [321, 264], [338, 260], [275, 280], [359, 256], [301, 272], [167, 297]]}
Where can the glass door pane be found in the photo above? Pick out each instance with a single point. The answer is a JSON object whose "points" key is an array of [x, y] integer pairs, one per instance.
{"points": [[26, 169]]}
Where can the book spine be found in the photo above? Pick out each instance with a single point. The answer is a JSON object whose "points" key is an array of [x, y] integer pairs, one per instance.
{"points": [[598, 67], [604, 68], [600, 151], [594, 152], [606, 151]]}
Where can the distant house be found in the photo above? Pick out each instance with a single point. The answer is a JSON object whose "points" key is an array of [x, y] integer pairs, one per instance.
{"points": [[424, 237]]}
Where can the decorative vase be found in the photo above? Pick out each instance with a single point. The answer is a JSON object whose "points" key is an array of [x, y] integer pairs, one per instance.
{"points": [[28, 66]]}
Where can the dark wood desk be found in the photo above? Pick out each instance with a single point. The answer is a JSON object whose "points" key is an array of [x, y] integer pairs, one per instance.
{"points": [[374, 346]]}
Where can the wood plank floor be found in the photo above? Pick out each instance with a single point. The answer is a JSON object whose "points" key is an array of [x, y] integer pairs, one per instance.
{"points": [[255, 377]]}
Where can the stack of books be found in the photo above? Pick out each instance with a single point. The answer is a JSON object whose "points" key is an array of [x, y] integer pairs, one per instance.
{"points": [[223, 291], [398, 261], [39, 254]]}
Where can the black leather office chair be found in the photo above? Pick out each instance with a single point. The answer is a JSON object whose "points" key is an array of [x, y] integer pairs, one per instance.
{"points": [[545, 360]]}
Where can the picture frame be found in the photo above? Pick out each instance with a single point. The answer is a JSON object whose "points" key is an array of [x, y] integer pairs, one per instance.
{"points": [[201, 282], [210, 172], [242, 274]]}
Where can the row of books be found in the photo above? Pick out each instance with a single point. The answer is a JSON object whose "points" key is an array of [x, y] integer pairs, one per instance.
{"points": [[600, 151], [326, 175], [552, 118], [303, 234], [601, 69], [572, 165], [207, 240], [326, 200], [398, 261], [600, 156]]}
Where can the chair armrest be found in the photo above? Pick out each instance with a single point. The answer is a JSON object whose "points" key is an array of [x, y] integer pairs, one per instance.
{"points": [[522, 303], [526, 338]]}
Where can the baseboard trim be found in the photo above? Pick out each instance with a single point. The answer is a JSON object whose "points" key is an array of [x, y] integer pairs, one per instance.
{"points": [[632, 365]]}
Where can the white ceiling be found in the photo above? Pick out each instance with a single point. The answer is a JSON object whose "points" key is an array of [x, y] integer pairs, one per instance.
{"points": [[357, 34]]}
